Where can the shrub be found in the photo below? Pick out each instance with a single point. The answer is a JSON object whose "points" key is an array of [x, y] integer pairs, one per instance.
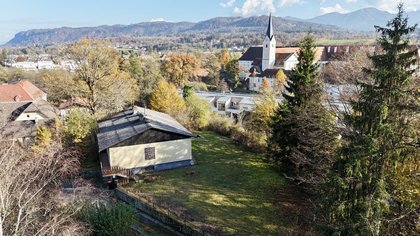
{"points": [[254, 141], [80, 129], [198, 112], [220, 124], [109, 219], [198, 86]]}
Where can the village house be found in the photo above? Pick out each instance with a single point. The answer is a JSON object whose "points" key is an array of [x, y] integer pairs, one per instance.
{"points": [[141, 140], [23, 108]]}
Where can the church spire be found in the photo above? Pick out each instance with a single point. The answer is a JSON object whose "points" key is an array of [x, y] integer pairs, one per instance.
{"points": [[270, 33]]}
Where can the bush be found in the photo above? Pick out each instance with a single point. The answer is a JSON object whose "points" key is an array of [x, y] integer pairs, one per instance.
{"points": [[220, 124], [198, 86], [109, 219], [80, 130], [198, 112], [254, 141]]}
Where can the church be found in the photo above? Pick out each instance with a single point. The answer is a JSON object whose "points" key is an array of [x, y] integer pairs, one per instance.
{"points": [[265, 61]]}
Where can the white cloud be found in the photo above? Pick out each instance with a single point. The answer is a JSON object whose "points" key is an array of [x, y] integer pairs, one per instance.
{"points": [[157, 19], [290, 2], [337, 8], [227, 4], [391, 6], [351, 1], [254, 6]]}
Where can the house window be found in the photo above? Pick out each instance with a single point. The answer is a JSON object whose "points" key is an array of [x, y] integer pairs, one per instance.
{"points": [[149, 153]]}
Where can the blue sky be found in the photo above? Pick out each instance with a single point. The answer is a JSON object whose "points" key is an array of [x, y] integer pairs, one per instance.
{"points": [[19, 15]]}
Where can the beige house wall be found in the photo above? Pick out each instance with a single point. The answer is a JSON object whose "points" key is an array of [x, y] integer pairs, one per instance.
{"points": [[133, 156]]}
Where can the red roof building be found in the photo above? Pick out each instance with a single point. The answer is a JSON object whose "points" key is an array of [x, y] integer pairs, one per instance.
{"points": [[22, 91]]}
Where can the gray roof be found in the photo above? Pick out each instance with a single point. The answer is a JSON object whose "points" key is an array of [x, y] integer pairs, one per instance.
{"points": [[252, 53], [10, 111], [133, 122]]}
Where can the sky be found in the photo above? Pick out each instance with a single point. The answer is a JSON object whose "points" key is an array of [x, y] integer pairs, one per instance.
{"points": [[20, 15]]}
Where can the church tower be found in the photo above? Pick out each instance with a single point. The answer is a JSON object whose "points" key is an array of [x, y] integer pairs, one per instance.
{"points": [[269, 47]]}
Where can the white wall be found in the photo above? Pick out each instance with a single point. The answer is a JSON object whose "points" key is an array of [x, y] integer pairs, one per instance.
{"points": [[29, 116], [165, 152], [290, 63]]}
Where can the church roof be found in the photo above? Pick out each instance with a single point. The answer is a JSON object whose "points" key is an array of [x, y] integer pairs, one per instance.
{"points": [[251, 54]]}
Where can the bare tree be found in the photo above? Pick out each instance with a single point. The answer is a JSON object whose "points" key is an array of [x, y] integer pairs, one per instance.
{"points": [[29, 182]]}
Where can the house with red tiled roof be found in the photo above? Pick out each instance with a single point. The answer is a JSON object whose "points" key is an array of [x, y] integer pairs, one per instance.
{"points": [[23, 108], [23, 91]]}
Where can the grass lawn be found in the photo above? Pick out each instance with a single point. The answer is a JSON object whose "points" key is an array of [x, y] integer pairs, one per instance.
{"points": [[231, 189]]}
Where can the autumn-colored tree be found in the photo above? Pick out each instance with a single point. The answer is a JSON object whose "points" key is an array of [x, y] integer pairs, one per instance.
{"points": [[181, 67], [198, 111], [279, 82], [265, 86], [58, 84], [213, 66], [231, 73], [165, 98], [99, 78], [224, 58], [147, 73], [261, 118]]}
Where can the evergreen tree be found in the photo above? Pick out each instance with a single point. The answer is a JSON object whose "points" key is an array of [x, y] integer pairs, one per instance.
{"points": [[303, 83], [381, 135], [304, 135]]}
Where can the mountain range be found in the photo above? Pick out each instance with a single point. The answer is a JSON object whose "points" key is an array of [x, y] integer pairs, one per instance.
{"points": [[360, 20], [212, 26]]}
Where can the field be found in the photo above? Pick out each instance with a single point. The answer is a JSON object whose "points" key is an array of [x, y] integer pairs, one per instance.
{"points": [[230, 189]]}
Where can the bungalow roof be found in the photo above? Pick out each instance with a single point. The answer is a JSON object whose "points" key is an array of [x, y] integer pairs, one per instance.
{"points": [[136, 121]]}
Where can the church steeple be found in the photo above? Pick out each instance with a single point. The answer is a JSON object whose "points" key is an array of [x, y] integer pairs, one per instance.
{"points": [[269, 47], [270, 33]]}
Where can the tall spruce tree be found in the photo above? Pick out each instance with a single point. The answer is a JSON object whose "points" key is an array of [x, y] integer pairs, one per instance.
{"points": [[381, 135], [304, 134]]}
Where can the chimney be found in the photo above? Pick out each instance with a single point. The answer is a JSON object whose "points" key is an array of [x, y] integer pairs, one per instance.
{"points": [[17, 98], [136, 110]]}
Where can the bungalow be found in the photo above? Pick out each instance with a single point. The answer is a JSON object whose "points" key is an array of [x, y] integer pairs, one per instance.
{"points": [[141, 140], [23, 108]]}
